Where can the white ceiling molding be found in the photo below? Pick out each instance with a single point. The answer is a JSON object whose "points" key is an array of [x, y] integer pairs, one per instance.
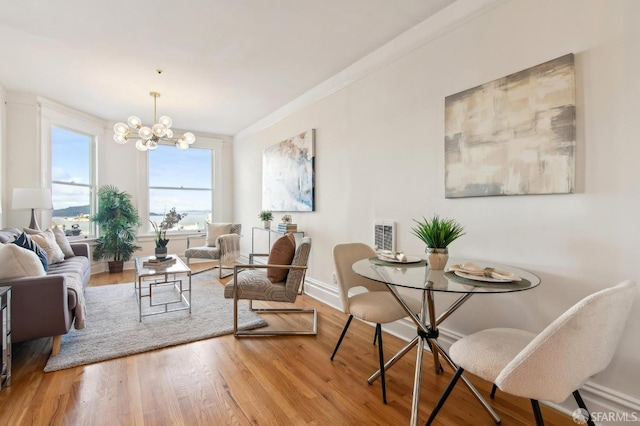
{"points": [[425, 32]]}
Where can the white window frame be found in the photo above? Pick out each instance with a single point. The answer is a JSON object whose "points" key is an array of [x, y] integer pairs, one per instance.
{"points": [[56, 115], [203, 142]]}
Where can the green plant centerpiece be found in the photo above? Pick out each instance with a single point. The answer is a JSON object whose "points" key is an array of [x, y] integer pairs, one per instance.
{"points": [[266, 216], [118, 222], [437, 234], [170, 220]]}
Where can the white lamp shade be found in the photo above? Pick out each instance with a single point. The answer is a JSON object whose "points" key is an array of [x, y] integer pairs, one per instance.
{"points": [[32, 198]]}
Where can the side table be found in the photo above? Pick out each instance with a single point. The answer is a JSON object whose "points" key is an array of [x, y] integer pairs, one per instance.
{"points": [[5, 306], [297, 234]]}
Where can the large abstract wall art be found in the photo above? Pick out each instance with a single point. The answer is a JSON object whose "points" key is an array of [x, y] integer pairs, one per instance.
{"points": [[288, 174], [514, 135]]}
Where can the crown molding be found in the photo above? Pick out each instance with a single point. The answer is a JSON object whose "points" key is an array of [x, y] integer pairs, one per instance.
{"points": [[446, 20]]}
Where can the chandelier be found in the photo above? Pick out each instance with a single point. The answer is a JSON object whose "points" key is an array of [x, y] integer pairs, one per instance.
{"points": [[147, 138]]}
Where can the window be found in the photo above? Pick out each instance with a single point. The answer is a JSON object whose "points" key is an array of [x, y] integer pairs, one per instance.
{"points": [[182, 180], [72, 183]]}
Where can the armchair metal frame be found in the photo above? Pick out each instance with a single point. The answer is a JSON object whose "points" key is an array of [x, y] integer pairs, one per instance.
{"points": [[219, 264], [259, 332]]}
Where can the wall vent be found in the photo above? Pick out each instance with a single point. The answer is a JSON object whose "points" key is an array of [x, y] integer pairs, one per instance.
{"points": [[384, 235]]}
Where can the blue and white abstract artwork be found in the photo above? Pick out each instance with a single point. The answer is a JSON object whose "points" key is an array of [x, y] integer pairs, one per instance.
{"points": [[288, 175]]}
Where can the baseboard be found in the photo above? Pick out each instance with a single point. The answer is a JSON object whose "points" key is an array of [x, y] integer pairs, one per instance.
{"points": [[607, 405]]}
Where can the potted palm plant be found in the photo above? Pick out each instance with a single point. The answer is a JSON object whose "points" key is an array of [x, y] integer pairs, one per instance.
{"points": [[266, 216], [437, 234], [170, 220], [118, 222]]}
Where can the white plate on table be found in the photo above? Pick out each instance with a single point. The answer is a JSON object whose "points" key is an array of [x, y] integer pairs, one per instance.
{"points": [[410, 259], [482, 278]]}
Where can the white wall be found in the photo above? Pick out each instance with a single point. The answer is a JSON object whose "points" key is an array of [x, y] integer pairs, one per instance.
{"points": [[380, 151]]}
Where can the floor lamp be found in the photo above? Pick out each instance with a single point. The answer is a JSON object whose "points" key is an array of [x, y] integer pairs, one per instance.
{"points": [[34, 199]]}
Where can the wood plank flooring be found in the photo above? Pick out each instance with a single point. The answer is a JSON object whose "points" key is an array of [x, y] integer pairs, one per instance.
{"points": [[259, 381]]}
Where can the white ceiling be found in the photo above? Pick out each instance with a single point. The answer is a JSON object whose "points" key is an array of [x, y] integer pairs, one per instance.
{"points": [[226, 63]]}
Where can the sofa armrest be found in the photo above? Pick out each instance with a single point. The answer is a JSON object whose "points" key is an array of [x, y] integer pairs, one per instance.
{"points": [[39, 307], [80, 249]]}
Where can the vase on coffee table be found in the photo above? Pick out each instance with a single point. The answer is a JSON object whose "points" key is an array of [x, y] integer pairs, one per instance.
{"points": [[161, 252]]}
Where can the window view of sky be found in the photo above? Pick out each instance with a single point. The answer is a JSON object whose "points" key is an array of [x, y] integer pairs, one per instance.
{"points": [[71, 153], [180, 179]]}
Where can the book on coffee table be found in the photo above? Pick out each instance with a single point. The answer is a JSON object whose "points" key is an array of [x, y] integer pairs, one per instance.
{"points": [[154, 262]]}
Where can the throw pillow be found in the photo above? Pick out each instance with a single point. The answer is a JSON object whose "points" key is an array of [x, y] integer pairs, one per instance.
{"points": [[47, 241], [282, 253], [18, 262], [23, 240], [214, 230], [63, 242]]}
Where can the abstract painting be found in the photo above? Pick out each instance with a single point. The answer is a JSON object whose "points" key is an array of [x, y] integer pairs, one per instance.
{"points": [[514, 135], [288, 175]]}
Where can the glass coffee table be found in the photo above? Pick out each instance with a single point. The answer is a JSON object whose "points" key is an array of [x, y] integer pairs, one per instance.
{"points": [[167, 286]]}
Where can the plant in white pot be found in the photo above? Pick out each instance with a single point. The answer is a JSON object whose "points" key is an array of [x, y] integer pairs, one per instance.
{"points": [[170, 220], [266, 216], [437, 234]]}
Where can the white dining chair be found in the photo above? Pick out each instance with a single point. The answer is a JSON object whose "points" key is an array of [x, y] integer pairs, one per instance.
{"points": [[554, 364], [375, 305]]}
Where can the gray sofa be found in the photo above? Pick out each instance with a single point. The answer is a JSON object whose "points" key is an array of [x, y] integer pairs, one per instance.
{"points": [[44, 306]]}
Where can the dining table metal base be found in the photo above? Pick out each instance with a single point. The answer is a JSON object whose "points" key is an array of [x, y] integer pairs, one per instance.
{"points": [[428, 335]]}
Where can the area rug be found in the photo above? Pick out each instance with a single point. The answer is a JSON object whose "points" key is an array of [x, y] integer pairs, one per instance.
{"points": [[113, 330]]}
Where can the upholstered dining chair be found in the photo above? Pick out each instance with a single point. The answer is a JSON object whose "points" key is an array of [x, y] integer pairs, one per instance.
{"points": [[222, 243], [376, 305], [276, 281], [554, 364]]}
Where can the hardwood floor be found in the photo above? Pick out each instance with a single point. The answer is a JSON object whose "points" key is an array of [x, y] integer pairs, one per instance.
{"points": [[226, 380]]}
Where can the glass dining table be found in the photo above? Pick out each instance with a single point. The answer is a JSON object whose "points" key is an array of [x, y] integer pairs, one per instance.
{"points": [[402, 279]]}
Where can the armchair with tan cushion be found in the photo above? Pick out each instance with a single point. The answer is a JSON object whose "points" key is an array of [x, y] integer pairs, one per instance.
{"points": [[277, 281]]}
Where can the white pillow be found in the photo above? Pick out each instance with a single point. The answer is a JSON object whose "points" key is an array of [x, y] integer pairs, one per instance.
{"points": [[62, 241], [47, 241], [17, 262], [214, 230]]}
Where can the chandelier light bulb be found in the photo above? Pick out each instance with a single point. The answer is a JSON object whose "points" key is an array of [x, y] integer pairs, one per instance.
{"points": [[145, 133], [134, 122], [189, 138], [141, 145], [165, 121], [152, 145], [158, 130], [121, 139], [182, 145], [168, 133], [120, 129]]}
